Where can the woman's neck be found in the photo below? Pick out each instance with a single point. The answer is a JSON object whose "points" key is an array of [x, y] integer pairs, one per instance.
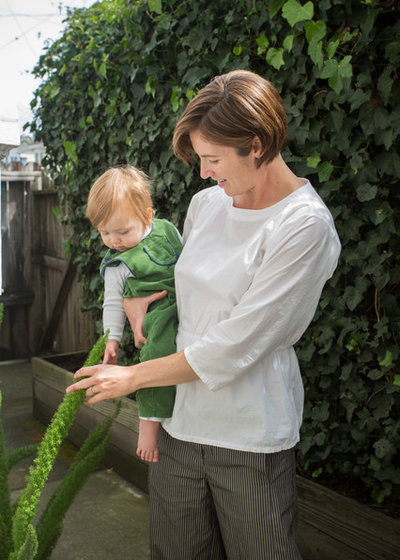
{"points": [[276, 182]]}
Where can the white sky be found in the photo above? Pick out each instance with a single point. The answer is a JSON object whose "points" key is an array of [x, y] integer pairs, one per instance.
{"points": [[25, 28]]}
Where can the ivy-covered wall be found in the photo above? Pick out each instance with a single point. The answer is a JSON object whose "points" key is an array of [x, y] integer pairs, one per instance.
{"points": [[113, 87]]}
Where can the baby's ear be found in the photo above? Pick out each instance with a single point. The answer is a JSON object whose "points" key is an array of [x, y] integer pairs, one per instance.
{"points": [[149, 212]]}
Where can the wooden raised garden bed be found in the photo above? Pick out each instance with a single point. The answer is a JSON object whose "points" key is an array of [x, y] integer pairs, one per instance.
{"points": [[330, 527]]}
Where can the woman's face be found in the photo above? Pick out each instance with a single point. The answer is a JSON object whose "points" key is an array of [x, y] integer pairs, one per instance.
{"points": [[237, 175]]}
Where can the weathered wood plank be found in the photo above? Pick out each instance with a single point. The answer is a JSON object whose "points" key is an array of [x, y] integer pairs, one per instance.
{"points": [[347, 529]]}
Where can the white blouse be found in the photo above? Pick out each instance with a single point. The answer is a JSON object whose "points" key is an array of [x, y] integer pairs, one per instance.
{"points": [[248, 284]]}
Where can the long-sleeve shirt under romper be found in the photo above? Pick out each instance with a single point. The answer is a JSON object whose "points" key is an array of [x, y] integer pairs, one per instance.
{"points": [[248, 284]]}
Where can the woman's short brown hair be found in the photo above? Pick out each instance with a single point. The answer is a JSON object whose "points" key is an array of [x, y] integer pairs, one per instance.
{"points": [[119, 185], [231, 110]]}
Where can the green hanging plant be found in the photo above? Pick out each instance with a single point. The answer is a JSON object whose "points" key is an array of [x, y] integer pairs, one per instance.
{"points": [[18, 537]]}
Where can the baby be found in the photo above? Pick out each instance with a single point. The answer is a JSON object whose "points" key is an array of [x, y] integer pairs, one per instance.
{"points": [[140, 260]]}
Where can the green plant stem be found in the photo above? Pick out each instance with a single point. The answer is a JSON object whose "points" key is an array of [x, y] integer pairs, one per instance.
{"points": [[48, 450], [50, 524]]}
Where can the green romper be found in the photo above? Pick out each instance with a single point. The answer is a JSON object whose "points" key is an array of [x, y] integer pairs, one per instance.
{"points": [[152, 264]]}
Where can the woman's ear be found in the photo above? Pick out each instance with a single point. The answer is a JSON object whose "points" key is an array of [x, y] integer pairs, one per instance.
{"points": [[149, 212], [257, 148]]}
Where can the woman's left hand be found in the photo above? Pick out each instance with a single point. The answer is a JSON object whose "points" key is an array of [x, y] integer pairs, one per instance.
{"points": [[104, 382]]}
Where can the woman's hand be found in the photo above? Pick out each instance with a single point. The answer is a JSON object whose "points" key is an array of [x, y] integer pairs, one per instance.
{"points": [[136, 309], [112, 382], [104, 382]]}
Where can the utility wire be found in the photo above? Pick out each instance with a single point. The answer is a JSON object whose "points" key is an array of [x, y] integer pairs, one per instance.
{"points": [[17, 37], [24, 34]]}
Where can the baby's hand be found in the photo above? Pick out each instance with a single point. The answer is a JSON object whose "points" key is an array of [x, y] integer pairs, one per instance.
{"points": [[111, 352]]}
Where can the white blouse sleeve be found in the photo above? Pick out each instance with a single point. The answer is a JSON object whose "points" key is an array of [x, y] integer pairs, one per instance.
{"points": [[187, 226], [275, 310], [113, 307]]}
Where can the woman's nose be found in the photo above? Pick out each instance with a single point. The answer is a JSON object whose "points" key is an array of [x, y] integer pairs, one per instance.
{"points": [[204, 170]]}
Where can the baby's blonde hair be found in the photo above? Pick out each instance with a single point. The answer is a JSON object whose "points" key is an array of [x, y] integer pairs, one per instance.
{"points": [[119, 185]]}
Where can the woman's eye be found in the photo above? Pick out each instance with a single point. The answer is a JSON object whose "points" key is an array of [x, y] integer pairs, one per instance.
{"points": [[214, 160]]}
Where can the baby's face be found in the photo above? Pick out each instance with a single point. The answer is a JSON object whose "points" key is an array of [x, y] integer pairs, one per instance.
{"points": [[121, 231]]}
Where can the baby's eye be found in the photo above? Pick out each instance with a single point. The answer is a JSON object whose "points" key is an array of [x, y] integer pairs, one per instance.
{"points": [[214, 160], [123, 232]]}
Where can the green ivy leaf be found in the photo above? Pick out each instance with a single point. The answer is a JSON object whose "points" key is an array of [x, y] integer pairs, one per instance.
{"points": [[294, 12], [317, 472], [389, 163], [352, 297], [54, 91], [288, 42], [330, 68], [175, 98], [336, 83], [274, 57], [316, 53], [124, 107], [358, 98], [387, 360], [396, 380], [155, 6], [345, 68], [274, 6], [56, 210], [385, 83], [150, 87], [375, 374], [332, 47], [313, 161], [366, 192], [103, 69], [262, 42], [70, 150], [315, 30], [325, 171], [384, 449]]}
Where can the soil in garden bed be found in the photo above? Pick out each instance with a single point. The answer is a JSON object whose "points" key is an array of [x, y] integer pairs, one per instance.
{"points": [[70, 362]]}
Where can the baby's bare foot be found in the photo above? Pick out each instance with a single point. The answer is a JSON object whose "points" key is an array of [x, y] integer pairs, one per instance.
{"points": [[147, 448], [149, 456]]}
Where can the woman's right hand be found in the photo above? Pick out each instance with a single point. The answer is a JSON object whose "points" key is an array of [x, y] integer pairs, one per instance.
{"points": [[136, 309]]}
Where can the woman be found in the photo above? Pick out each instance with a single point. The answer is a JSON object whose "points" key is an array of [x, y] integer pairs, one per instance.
{"points": [[258, 249]]}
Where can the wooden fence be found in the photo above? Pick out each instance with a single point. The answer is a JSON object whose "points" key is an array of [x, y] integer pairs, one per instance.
{"points": [[41, 294]]}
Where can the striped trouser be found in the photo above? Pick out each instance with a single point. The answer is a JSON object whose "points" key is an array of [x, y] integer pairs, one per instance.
{"points": [[211, 503]]}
